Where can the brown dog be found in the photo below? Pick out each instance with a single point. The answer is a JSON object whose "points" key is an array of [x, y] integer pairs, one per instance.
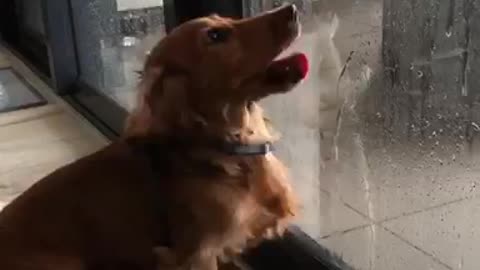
{"points": [[192, 175]]}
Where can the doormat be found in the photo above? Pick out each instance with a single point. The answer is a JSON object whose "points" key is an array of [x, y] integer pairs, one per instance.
{"points": [[16, 93]]}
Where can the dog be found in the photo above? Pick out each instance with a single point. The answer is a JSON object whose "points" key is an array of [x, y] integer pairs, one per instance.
{"points": [[192, 181]]}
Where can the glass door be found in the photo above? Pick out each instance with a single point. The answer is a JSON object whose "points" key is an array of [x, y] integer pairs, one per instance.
{"points": [[22, 29], [383, 138], [112, 37]]}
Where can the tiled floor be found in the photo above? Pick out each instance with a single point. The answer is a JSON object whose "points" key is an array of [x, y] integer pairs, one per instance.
{"points": [[36, 141]]}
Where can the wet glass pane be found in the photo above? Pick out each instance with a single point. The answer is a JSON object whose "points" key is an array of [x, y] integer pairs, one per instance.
{"points": [[112, 37], [385, 155], [381, 139]]}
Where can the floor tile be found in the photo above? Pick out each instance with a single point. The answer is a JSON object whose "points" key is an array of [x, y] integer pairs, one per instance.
{"points": [[337, 217], [24, 115], [450, 233], [55, 127], [15, 93], [373, 248], [28, 154]]}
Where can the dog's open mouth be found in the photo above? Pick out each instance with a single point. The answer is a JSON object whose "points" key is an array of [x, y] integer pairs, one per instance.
{"points": [[291, 69]]}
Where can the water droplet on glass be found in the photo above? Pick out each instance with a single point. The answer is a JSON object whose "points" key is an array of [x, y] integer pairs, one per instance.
{"points": [[476, 126], [464, 91]]}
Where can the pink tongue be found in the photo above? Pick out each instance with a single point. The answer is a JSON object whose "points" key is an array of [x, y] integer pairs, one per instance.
{"points": [[302, 63]]}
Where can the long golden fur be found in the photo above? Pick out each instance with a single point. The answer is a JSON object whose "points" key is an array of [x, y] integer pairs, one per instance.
{"points": [[200, 84]]}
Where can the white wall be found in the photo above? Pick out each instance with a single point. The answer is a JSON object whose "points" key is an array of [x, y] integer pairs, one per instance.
{"points": [[137, 4]]}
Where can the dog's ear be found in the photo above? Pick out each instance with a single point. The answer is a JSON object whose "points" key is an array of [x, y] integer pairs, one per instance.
{"points": [[140, 121], [163, 103]]}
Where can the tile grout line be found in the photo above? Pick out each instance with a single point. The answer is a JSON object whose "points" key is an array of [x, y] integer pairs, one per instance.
{"points": [[380, 223], [342, 232], [349, 206], [339, 233], [434, 258]]}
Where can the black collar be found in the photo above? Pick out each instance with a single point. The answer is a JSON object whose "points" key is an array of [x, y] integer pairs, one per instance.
{"points": [[239, 149], [181, 144], [161, 153]]}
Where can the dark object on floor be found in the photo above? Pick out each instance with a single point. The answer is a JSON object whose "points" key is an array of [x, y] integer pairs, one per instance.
{"points": [[16, 93]]}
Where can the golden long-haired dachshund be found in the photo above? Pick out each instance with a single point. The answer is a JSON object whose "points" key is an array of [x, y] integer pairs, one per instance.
{"points": [[192, 181]]}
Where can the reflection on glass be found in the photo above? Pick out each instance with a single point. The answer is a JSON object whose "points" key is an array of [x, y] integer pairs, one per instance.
{"points": [[385, 155], [112, 37]]}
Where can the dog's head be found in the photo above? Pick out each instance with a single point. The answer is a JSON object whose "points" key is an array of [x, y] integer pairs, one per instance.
{"points": [[209, 72]]}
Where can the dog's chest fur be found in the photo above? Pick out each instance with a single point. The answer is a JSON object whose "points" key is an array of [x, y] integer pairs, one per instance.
{"points": [[219, 211]]}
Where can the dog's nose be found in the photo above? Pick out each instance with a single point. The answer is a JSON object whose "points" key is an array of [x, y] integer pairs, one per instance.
{"points": [[294, 12], [291, 12]]}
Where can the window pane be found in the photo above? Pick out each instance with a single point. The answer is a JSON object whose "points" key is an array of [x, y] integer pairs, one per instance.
{"points": [[112, 37], [385, 157]]}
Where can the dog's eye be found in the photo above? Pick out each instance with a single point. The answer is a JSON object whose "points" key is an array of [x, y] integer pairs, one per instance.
{"points": [[217, 35]]}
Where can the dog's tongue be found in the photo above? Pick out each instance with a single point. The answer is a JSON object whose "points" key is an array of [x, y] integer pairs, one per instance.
{"points": [[301, 61], [293, 67]]}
